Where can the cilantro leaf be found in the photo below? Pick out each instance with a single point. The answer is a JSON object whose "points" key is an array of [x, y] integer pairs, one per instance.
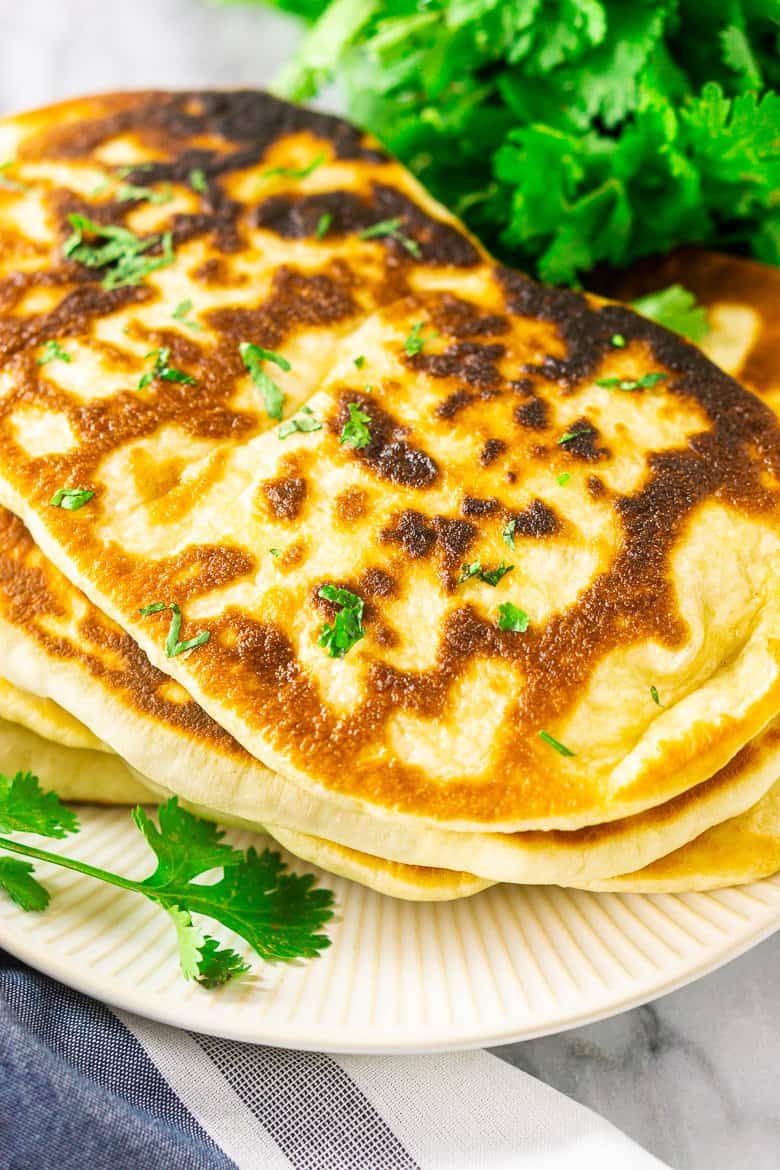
{"points": [[280, 915], [71, 499], [129, 193], [53, 352], [511, 618], [390, 229], [16, 879], [162, 370], [118, 250], [253, 357], [646, 382], [556, 744], [173, 645], [182, 314], [655, 696], [508, 532], [26, 808], [676, 308], [305, 420], [347, 628], [295, 172], [355, 432], [323, 225], [489, 576], [415, 342], [198, 180]]}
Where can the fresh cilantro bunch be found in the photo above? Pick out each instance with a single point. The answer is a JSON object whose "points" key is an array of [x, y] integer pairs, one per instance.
{"points": [[279, 914], [568, 133]]}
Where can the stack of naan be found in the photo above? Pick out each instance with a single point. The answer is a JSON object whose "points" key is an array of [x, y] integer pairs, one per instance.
{"points": [[321, 520]]}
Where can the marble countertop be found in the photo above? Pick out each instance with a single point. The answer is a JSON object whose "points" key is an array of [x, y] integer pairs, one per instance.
{"points": [[694, 1077]]}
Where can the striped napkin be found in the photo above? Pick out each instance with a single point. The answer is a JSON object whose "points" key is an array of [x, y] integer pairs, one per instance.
{"points": [[83, 1087]]}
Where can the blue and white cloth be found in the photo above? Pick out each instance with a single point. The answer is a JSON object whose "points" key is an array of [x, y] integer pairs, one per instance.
{"points": [[83, 1087]]}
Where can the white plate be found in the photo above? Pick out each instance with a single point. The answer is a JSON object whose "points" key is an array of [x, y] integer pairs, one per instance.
{"points": [[510, 963]]}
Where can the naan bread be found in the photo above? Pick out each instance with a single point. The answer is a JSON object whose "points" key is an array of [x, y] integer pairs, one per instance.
{"points": [[45, 718], [59, 645], [434, 718]]}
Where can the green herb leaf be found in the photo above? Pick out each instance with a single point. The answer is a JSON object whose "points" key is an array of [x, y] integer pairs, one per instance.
{"points": [[71, 499], [564, 478], [390, 229], [173, 645], [129, 193], [293, 172], [323, 225], [569, 435], [355, 432], [655, 696], [280, 915], [347, 628], [646, 382], [16, 879], [305, 420], [489, 576], [559, 747], [198, 181], [118, 250], [53, 352], [275, 552], [415, 342], [618, 340], [508, 533], [675, 308], [512, 619], [360, 361], [253, 357], [182, 314], [162, 370], [26, 808]]}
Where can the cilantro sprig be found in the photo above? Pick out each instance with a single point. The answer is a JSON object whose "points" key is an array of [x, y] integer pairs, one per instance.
{"points": [[53, 352], [489, 576], [347, 628], [71, 499], [279, 914], [645, 382], [305, 421], [162, 370], [174, 646], [254, 356], [355, 432], [391, 229], [122, 253], [676, 308]]}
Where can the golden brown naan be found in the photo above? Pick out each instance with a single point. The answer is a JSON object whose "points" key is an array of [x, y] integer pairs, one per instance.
{"points": [[435, 716]]}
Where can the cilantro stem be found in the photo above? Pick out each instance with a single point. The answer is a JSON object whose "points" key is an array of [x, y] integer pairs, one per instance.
{"points": [[74, 864]]}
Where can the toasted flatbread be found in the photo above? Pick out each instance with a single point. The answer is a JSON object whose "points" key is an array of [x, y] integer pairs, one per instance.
{"points": [[437, 716]]}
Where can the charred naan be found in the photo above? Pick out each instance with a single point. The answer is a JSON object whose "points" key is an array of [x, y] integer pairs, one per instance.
{"points": [[57, 644], [526, 447]]}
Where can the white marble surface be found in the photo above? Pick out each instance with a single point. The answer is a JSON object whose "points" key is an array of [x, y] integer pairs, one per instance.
{"points": [[695, 1077]]}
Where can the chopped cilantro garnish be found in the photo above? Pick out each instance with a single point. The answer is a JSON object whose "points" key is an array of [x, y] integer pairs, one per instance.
{"points": [[173, 645], [564, 478], [182, 314], [162, 370], [305, 420], [275, 552], [356, 432], [71, 499], [120, 251], [360, 361], [390, 228], [277, 913], [323, 225], [489, 576], [415, 342], [676, 308], [569, 435], [253, 357], [655, 696], [646, 382], [347, 628], [129, 192], [512, 619], [295, 172], [198, 180], [560, 748], [508, 533], [53, 352], [618, 340]]}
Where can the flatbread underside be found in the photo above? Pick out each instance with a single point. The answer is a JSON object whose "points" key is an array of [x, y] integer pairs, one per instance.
{"points": [[618, 567]]}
